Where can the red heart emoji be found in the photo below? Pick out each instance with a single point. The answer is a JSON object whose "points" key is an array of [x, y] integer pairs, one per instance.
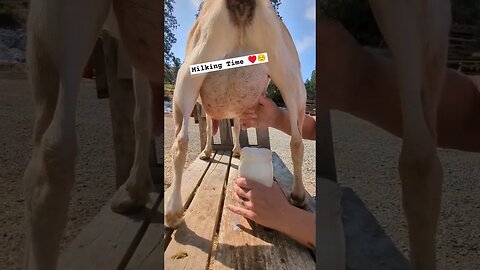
{"points": [[252, 58]]}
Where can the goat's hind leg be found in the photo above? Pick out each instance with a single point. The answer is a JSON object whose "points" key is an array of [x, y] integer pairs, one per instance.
{"points": [[292, 89], [134, 193], [58, 49], [207, 151], [284, 70], [419, 46]]}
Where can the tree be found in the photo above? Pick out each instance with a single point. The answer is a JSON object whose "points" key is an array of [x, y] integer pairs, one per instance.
{"points": [[170, 24], [275, 4], [272, 90], [8, 19], [311, 86], [274, 94], [358, 19]]}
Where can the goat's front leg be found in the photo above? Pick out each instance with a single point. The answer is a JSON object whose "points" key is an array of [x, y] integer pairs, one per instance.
{"points": [[134, 193], [187, 88], [419, 47]]}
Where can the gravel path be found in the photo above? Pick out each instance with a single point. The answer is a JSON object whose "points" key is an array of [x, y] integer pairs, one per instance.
{"points": [[95, 182], [366, 159]]}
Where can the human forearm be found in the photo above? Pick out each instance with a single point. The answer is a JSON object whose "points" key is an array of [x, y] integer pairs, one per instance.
{"points": [[282, 123], [299, 225]]}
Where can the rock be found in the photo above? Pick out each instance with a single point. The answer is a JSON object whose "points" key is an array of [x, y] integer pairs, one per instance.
{"points": [[13, 55], [18, 55], [8, 37], [12, 46], [6, 56], [21, 42]]}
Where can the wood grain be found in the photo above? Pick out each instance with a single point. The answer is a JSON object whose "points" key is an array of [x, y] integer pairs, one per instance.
{"points": [[263, 137], [243, 244], [149, 253], [105, 242], [194, 236]]}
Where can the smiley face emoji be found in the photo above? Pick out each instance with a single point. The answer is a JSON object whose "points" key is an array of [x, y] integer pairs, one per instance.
{"points": [[261, 57]]}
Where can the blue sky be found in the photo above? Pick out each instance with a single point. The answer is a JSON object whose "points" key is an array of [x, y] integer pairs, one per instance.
{"points": [[298, 16]]}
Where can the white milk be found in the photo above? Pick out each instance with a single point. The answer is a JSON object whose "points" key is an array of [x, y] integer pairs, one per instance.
{"points": [[256, 165]]}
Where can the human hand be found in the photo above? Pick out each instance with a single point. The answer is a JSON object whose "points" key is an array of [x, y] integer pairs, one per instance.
{"points": [[264, 205], [263, 115]]}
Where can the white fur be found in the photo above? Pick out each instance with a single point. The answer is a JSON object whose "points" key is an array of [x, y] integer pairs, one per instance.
{"points": [[220, 37], [61, 36]]}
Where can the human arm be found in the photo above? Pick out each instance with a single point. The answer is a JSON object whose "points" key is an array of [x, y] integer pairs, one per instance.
{"points": [[269, 207], [357, 81], [268, 114]]}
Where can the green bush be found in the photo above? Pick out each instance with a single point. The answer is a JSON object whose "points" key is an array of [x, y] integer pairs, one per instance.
{"points": [[8, 18], [358, 19]]}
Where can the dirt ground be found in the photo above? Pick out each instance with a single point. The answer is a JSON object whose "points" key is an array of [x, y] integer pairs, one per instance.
{"points": [[95, 182], [366, 161]]}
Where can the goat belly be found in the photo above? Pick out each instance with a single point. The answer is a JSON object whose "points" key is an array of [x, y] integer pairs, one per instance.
{"points": [[228, 93]]}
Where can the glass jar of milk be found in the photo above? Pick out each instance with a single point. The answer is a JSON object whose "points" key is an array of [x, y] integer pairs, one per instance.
{"points": [[256, 165]]}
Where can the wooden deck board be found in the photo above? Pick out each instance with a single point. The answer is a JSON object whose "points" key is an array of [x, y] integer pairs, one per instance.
{"points": [[106, 241], [243, 244], [149, 253], [284, 178], [192, 176], [137, 242], [195, 235]]}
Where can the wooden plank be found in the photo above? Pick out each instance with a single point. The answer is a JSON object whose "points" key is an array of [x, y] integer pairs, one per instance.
{"points": [[192, 177], [156, 169], [226, 132], [221, 147], [194, 236], [243, 244], [149, 253], [100, 72], [263, 137], [324, 144], [107, 241], [470, 61], [244, 138], [284, 178], [462, 40]]}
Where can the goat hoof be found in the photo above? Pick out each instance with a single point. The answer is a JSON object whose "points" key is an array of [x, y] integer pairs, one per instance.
{"points": [[298, 201], [173, 220], [205, 155], [236, 152], [124, 203]]}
